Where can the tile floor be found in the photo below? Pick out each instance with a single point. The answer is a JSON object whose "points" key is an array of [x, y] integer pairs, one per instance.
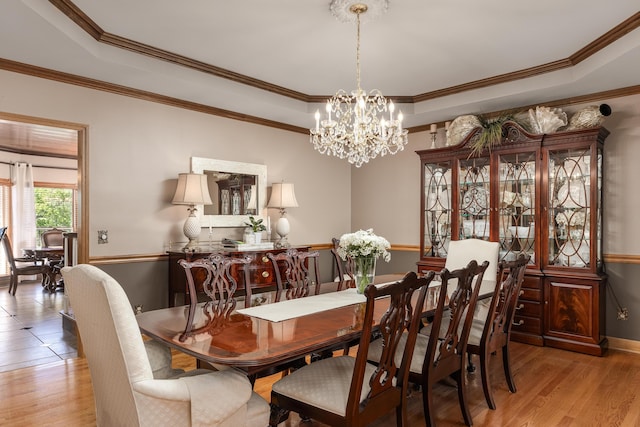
{"points": [[31, 330]]}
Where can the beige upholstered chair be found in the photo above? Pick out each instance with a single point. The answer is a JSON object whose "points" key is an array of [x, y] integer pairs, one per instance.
{"points": [[349, 391], [461, 252], [492, 333], [125, 390]]}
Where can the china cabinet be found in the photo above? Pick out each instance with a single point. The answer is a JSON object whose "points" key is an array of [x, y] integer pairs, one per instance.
{"points": [[534, 194]]}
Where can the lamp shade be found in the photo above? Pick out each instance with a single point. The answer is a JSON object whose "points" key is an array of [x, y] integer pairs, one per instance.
{"points": [[282, 196], [192, 189]]}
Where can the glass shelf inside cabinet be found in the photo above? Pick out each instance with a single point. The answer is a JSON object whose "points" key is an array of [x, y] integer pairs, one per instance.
{"points": [[517, 196], [569, 216], [474, 199], [437, 209]]}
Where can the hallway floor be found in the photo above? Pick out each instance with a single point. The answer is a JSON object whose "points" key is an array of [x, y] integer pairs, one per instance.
{"points": [[31, 330]]}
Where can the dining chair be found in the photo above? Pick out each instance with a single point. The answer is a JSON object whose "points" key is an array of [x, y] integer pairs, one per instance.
{"points": [[300, 272], [21, 266], [444, 353], [491, 334], [125, 390], [439, 355], [348, 390], [345, 268], [461, 252], [220, 286], [52, 238]]}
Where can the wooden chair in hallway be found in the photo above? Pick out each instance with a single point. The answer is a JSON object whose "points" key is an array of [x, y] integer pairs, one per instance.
{"points": [[21, 266]]}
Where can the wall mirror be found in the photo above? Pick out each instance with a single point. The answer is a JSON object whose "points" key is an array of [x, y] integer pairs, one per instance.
{"points": [[237, 190]]}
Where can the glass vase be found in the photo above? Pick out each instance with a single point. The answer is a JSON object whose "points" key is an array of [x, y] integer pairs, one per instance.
{"points": [[365, 271]]}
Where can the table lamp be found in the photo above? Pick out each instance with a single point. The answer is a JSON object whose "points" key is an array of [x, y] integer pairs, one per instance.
{"points": [[192, 190], [282, 197]]}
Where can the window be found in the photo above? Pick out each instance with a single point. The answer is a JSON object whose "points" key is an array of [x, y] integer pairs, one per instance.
{"points": [[55, 208]]}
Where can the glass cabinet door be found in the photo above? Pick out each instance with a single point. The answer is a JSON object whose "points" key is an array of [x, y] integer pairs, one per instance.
{"points": [[517, 205], [437, 209], [474, 203], [570, 207]]}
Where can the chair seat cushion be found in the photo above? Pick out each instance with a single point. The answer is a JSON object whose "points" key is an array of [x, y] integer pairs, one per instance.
{"points": [[324, 384], [420, 349]]}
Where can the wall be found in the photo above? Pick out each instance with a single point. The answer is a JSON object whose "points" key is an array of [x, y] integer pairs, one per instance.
{"points": [[137, 149]]}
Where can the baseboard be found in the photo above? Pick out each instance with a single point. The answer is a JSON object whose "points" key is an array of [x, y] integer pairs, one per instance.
{"points": [[624, 345]]}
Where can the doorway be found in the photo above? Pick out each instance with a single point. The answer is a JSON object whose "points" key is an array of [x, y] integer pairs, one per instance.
{"points": [[57, 140]]}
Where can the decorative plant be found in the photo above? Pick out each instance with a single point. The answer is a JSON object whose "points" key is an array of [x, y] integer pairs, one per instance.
{"points": [[255, 224], [490, 134]]}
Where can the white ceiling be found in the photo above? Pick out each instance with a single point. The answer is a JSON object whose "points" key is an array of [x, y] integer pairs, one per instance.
{"points": [[417, 47]]}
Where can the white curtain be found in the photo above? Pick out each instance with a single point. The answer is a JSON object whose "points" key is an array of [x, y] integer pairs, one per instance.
{"points": [[23, 207]]}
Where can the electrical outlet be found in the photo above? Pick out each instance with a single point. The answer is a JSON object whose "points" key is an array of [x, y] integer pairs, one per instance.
{"points": [[623, 314]]}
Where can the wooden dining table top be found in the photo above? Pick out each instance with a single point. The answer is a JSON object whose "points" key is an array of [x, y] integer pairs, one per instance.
{"points": [[253, 344]]}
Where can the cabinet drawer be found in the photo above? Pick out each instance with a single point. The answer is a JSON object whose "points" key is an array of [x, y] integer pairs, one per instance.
{"points": [[529, 308], [532, 282], [530, 325], [530, 295]]}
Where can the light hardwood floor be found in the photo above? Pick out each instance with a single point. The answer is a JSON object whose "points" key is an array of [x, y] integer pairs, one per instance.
{"points": [[555, 388]]}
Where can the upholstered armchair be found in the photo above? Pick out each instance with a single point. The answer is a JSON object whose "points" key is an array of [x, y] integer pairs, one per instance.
{"points": [[125, 390]]}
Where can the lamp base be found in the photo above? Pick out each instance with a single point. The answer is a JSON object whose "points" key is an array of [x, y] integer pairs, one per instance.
{"points": [[191, 229], [282, 229]]}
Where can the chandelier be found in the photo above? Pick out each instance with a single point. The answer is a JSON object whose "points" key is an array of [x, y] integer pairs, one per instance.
{"points": [[355, 127]]}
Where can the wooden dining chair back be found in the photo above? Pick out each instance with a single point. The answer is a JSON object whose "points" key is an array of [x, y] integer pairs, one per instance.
{"points": [[21, 266], [52, 238], [220, 286], [345, 269], [489, 335], [444, 353], [301, 270], [349, 391]]}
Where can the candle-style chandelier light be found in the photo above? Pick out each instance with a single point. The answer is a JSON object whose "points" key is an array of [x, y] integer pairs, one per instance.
{"points": [[354, 128]]}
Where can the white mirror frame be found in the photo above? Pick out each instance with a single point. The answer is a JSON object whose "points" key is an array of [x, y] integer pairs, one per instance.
{"points": [[201, 165]]}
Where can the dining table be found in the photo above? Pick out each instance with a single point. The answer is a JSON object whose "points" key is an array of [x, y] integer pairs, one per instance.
{"points": [[48, 255], [262, 334]]}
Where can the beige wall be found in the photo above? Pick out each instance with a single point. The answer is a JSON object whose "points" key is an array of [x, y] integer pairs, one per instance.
{"points": [[137, 148]]}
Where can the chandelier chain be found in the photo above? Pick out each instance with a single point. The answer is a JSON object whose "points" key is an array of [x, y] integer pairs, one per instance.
{"points": [[358, 52]]}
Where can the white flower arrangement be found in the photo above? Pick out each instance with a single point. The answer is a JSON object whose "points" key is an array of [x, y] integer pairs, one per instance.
{"points": [[363, 243]]}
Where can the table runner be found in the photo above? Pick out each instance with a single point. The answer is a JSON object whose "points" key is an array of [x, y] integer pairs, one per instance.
{"points": [[289, 309]]}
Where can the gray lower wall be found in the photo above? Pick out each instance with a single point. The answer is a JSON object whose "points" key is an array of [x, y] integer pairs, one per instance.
{"points": [[624, 283]]}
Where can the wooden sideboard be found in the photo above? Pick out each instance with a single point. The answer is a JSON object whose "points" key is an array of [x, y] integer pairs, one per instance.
{"points": [[261, 271]]}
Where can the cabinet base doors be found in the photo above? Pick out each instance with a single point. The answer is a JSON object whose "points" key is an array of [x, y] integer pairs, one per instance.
{"points": [[574, 311]]}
